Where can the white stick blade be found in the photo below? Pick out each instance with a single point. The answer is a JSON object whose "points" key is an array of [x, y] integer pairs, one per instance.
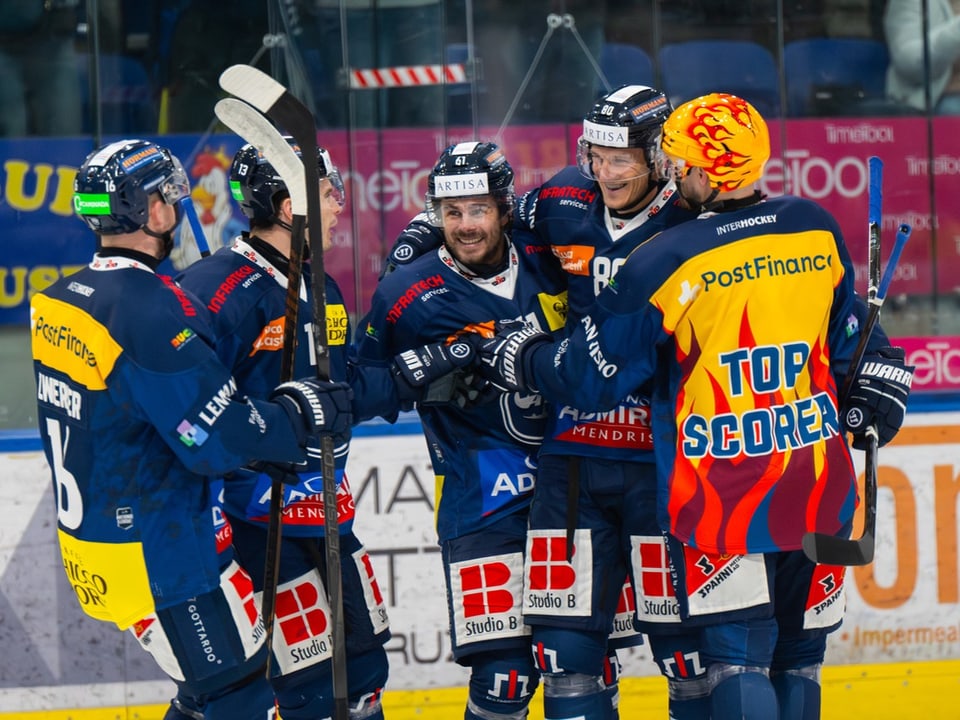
{"points": [[253, 85], [247, 122]]}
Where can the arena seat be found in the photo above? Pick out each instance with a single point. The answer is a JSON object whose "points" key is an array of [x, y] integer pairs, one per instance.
{"points": [[625, 64], [834, 76], [741, 67]]}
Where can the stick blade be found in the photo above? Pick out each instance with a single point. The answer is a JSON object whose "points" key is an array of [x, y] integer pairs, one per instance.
{"points": [[253, 85], [832, 550], [247, 122]]}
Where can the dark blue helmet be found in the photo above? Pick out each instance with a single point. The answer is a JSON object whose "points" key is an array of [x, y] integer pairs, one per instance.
{"points": [[257, 186], [111, 192], [629, 117], [467, 169]]}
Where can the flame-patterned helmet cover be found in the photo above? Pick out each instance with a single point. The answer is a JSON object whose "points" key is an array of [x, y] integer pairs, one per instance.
{"points": [[721, 133]]}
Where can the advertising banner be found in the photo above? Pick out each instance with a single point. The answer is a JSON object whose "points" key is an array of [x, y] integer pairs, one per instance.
{"points": [[936, 359], [903, 607], [385, 173], [385, 176]]}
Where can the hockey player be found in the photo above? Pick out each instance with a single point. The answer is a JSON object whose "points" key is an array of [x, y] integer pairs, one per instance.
{"points": [[597, 482], [136, 414], [746, 320], [483, 455], [596, 477], [244, 287]]}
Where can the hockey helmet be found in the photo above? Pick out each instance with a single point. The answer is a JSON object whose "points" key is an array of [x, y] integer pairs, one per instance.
{"points": [[470, 169], [721, 133], [258, 188], [630, 117], [111, 192]]}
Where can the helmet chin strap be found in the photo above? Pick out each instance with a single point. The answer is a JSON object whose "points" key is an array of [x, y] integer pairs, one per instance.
{"points": [[710, 198], [733, 203], [285, 225], [701, 206], [165, 238]]}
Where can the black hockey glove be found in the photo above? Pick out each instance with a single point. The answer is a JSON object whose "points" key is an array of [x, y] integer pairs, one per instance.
{"points": [[416, 369], [416, 240], [463, 388], [316, 406], [878, 396], [502, 357]]}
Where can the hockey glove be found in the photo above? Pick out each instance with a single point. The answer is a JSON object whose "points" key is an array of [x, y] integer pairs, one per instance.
{"points": [[416, 240], [316, 406], [878, 396], [463, 388], [414, 370], [502, 357], [292, 473]]}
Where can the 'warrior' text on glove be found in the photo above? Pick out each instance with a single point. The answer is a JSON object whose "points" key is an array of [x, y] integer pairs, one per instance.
{"points": [[878, 396], [502, 356], [316, 406]]}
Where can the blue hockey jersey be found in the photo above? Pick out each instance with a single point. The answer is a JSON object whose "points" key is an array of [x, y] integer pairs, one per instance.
{"points": [[136, 414], [567, 214], [745, 320], [244, 287], [484, 457]]}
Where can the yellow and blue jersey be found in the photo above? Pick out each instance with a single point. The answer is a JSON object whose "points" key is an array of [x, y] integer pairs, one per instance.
{"points": [[743, 321], [136, 415]]}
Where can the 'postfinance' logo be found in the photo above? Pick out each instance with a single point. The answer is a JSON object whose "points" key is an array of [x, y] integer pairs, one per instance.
{"points": [[761, 267], [67, 339]]}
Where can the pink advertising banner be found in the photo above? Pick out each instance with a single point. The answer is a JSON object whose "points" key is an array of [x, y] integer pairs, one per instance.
{"points": [[826, 161], [823, 160], [937, 361], [386, 175]]}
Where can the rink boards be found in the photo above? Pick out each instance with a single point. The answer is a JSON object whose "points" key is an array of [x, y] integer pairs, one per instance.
{"points": [[896, 656]]}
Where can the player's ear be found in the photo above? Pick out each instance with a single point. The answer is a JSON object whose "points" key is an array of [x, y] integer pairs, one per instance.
{"points": [[285, 210]]}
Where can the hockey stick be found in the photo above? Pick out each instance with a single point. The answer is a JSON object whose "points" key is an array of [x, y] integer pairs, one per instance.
{"points": [[830, 549], [253, 127], [874, 220], [191, 212], [274, 100]]}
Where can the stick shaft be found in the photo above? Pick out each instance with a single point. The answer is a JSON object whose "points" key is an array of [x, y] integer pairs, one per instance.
{"points": [[253, 127], [270, 97]]}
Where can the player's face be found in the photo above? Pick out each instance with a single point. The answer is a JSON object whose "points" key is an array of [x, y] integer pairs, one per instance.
{"points": [[332, 206], [473, 229], [623, 175]]}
